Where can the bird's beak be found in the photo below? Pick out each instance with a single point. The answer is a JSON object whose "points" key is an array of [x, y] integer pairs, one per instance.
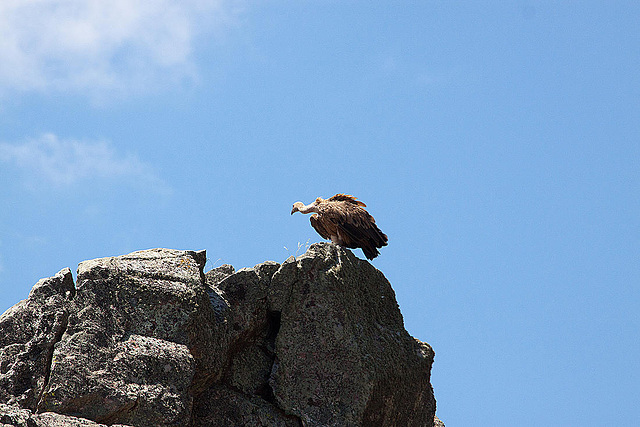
{"points": [[293, 210]]}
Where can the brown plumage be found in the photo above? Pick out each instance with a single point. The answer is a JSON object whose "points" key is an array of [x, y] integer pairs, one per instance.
{"points": [[344, 221]]}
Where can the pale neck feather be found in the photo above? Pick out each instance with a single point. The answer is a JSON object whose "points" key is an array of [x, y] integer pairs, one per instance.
{"points": [[305, 209]]}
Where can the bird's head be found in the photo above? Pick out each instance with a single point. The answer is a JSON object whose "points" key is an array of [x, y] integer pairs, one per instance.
{"points": [[300, 207], [296, 207]]}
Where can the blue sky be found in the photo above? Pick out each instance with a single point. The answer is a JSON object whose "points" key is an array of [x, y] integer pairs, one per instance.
{"points": [[497, 144]]}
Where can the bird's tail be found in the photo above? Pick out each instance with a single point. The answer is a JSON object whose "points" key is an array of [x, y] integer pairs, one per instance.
{"points": [[370, 251]]}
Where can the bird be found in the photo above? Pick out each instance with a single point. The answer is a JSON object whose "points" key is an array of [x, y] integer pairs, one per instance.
{"points": [[343, 220]]}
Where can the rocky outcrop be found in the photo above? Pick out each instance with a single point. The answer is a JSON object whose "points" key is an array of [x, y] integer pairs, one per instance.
{"points": [[147, 339], [29, 331]]}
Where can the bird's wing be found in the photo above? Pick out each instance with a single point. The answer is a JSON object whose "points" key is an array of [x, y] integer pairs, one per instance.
{"points": [[346, 198], [359, 230], [360, 225], [320, 226], [344, 217]]}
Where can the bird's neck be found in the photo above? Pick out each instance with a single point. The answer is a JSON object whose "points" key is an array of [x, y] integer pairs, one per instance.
{"points": [[308, 209]]}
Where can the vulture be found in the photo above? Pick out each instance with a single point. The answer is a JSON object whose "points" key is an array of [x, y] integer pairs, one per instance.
{"points": [[343, 219]]}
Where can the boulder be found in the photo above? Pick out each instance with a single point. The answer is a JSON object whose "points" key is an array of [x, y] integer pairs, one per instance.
{"points": [[135, 344], [343, 356], [29, 331], [148, 339], [16, 417]]}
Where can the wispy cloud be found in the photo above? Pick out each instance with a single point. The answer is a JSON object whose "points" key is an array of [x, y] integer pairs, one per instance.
{"points": [[96, 45], [55, 162]]}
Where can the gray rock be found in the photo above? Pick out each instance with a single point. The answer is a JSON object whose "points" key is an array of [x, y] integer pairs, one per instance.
{"points": [[437, 422], [29, 331], [321, 339], [147, 339], [224, 406], [136, 341], [343, 356], [51, 419], [249, 331], [16, 417], [218, 274]]}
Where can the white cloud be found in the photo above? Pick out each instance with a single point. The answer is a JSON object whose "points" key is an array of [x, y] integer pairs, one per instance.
{"points": [[52, 162], [97, 45]]}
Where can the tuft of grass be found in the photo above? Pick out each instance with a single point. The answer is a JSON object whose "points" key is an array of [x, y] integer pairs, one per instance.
{"points": [[304, 246], [212, 265]]}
